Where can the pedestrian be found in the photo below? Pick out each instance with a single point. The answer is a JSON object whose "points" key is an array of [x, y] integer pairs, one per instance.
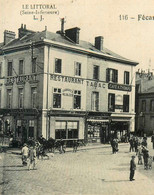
{"points": [[32, 158], [132, 168], [152, 140], [24, 151], [145, 157], [131, 142], [139, 154], [62, 149]]}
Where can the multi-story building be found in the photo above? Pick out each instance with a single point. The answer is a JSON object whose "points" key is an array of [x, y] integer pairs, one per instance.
{"points": [[56, 85], [144, 103]]}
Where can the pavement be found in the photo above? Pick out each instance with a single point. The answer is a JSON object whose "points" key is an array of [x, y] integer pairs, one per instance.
{"points": [[89, 171]]}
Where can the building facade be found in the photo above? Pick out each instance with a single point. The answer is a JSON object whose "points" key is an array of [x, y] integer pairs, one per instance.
{"points": [[144, 103], [55, 85]]}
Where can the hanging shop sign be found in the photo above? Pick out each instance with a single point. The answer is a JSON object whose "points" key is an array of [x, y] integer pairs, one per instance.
{"points": [[21, 79], [120, 87]]}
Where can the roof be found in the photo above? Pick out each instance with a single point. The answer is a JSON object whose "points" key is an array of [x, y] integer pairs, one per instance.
{"points": [[58, 38]]}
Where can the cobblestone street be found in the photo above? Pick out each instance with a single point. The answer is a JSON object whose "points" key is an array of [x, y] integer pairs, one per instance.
{"points": [[95, 171]]}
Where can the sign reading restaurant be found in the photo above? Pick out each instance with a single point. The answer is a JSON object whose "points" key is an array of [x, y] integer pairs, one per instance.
{"points": [[120, 87], [75, 80]]}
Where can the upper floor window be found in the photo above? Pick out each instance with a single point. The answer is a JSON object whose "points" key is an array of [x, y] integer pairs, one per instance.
{"points": [[0, 69], [77, 69], [58, 65], [21, 67], [95, 72], [126, 78], [9, 69], [33, 97], [143, 106], [34, 65], [57, 98], [111, 102], [111, 75], [77, 99], [9, 98], [126, 103], [152, 105], [95, 101], [20, 97]]}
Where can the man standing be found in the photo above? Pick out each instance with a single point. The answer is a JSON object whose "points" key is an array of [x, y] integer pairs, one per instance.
{"points": [[24, 151], [152, 140], [132, 168]]}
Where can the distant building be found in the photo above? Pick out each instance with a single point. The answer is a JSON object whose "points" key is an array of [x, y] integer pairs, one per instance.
{"points": [[144, 103], [55, 85]]}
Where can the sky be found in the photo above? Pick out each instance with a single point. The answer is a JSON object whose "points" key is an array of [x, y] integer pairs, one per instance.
{"points": [[117, 21]]}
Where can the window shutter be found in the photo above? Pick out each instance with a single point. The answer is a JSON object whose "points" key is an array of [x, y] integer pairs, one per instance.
{"points": [[107, 74]]}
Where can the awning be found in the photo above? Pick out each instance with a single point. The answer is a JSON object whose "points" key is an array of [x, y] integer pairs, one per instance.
{"points": [[121, 120], [97, 120]]}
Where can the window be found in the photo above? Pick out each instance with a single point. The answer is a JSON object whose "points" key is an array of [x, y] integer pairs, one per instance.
{"points": [[143, 106], [111, 75], [111, 102], [77, 99], [126, 103], [58, 64], [152, 105], [57, 98], [9, 71], [66, 129], [95, 101], [0, 69], [9, 98], [33, 97], [21, 67], [77, 69], [34, 65], [126, 78], [95, 72], [20, 97], [31, 128]]}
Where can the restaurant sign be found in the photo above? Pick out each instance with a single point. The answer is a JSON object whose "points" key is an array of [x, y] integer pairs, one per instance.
{"points": [[120, 87]]}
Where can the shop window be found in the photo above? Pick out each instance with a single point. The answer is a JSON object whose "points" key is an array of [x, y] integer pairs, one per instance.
{"points": [[152, 105], [111, 102], [95, 72], [0, 69], [21, 67], [9, 98], [9, 69], [93, 131], [126, 103], [57, 98], [33, 97], [31, 128], [143, 106], [66, 129], [34, 67], [19, 133], [20, 98], [77, 69], [77, 99], [126, 77], [95, 101], [111, 75], [58, 65]]}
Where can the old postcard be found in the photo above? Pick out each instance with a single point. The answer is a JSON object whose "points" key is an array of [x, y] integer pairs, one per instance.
{"points": [[76, 97]]}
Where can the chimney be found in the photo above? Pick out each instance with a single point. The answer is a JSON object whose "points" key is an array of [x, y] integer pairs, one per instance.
{"points": [[99, 43], [8, 36], [73, 34], [22, 31]]}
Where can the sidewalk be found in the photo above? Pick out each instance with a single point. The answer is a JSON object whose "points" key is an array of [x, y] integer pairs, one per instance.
{"points": [[17, 151]]}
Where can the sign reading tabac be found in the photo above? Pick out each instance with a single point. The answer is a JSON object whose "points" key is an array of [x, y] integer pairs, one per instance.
{"points": [[120, 87]]}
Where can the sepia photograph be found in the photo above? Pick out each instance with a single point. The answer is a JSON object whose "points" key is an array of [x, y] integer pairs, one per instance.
{"points": [[76, 97]]}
